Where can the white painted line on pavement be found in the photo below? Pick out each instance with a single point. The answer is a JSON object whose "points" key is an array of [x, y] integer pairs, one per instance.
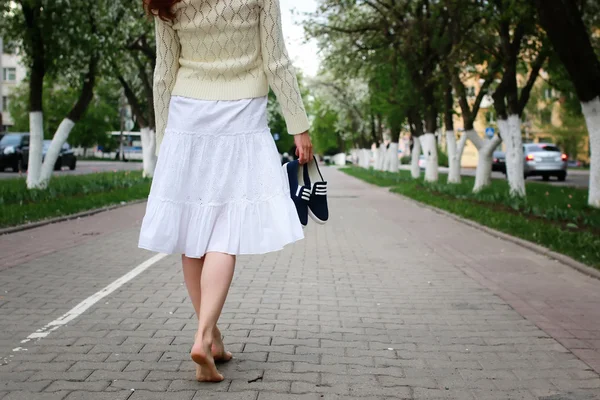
{"points": [[90, 301]]}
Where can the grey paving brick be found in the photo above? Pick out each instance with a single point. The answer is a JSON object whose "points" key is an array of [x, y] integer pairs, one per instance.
{"points": [[86, 395], [16, 376], [248, 395], [37, 386], [273, 376], [154, 386], [59, 375], [120, 349], [152, 366], [33, 366], [279, 396], [104, 375], [25, 395], [305, 387], [95, 386], [191, 384], [107, 366], [146, 395], [95, 357]]}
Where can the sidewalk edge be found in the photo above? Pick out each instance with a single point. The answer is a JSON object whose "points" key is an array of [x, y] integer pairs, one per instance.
{"points": [[88, 213], [581, 267]]}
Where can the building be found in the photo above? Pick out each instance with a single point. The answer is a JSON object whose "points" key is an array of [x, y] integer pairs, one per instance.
{"points": [[544, 120], [12, 73]]}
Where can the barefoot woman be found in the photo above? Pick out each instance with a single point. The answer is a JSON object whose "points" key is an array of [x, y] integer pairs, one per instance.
{"points": [[219, 189]]}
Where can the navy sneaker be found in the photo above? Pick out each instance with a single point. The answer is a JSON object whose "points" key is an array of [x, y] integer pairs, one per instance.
{"points": [[317, 203], [299, 192]]}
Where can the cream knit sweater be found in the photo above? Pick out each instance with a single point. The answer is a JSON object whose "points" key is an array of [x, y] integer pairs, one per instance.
{"points": [[225, 50]]}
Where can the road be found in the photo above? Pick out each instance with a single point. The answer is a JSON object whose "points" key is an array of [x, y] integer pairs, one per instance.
{"points": [[389, 300], [86, 167], [575, 178]]}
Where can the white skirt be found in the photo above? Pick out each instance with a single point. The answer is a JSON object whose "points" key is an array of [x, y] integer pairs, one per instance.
{"points": [[218, 184]]}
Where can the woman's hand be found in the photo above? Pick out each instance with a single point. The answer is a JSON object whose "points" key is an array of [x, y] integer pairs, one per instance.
{"points": [[304, 149]]}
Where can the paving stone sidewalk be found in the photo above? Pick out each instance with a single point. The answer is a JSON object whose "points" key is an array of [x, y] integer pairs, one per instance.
{"points": [[387, 301]]}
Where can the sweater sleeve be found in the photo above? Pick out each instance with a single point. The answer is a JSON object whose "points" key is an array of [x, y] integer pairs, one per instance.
{"points": [[279, 70], [168, 50]]}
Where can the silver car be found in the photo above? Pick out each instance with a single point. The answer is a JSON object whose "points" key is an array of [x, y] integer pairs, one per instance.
{"points": [[546, 160]]}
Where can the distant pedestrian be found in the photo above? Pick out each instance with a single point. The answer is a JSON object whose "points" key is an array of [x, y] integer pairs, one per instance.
{"points": [[219, 189]]}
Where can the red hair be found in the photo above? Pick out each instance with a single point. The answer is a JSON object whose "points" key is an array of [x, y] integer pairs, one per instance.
{"points": [[161, 8]]}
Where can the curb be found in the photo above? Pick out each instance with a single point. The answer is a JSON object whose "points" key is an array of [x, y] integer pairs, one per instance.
{"points": [[581, 267], [20, 228]]}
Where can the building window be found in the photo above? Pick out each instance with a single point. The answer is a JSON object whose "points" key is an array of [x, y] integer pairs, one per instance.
{"points": [[471, 91], [546, 116], [9, 74], [4, 103]]}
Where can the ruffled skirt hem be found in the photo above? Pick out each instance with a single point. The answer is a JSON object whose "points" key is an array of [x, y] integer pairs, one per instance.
{"points": [[241, 228]]}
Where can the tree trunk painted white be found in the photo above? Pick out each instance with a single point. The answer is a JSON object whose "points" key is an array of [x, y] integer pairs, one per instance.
{"points": [[392, 154], [591, 111], [354, 156], [455, 152], [366, 158], [385, 160], [381, 154], [510, 130], [429, 144], [60, 137], [36, 138], [148, 152], [415, 170], [340, 159], [483, 174], [477, 141]]}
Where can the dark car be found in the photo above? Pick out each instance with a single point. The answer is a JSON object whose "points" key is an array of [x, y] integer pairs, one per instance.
{"points": [[66, 157], [13, 151], [499, 162]]}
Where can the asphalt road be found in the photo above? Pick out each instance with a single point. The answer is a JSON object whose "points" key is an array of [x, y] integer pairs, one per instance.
{"points": [[575, 178], [86, 167]]}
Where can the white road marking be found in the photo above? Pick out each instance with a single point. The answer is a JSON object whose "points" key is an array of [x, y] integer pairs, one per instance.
{"points": [[90, 301]]}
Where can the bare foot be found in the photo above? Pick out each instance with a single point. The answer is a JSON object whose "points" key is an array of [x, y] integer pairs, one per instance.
{"points": [[218, 350], [206, 370]]}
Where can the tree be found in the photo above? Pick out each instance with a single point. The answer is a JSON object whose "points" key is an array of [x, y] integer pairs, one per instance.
{"points": [[58, 38], [132, 63], [468, 61], [101, 116], [405, 38], [519, 46], [563, 21], [326, 139]]}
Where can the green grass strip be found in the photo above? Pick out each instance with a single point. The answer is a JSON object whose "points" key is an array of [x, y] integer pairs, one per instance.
{"points": [[67, 195], [557, 218]]}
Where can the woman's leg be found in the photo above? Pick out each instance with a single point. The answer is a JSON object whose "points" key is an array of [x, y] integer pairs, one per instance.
{"points": [[217, 274], [192, 273]]}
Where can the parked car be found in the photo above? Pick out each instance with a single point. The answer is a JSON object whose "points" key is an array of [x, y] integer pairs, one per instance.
{"points": [[546, 160], [66, 157], [499, 162], [13, 151], [541, 159]]}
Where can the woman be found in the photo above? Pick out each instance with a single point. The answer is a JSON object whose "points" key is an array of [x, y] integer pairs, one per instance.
{"points": [[219, 189]]}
